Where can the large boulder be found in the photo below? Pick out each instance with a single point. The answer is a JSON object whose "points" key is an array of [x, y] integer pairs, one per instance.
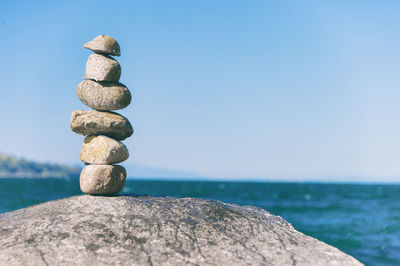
{"points": [[124, 230]]}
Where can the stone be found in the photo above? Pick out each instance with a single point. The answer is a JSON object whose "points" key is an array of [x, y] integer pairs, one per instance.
{"points": [[102, 68], [103, 95], [103, 150], [102, 179], [109, 124], [104, 44], [142, 230]]}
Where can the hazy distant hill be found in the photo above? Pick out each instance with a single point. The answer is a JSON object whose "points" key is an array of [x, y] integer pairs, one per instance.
{"points": [[11, 166]]}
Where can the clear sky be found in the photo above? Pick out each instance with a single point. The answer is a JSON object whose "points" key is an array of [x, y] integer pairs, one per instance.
{"points": [[282, 90]]}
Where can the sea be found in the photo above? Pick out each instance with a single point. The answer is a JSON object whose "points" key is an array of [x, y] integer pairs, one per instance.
{"points": [[362, 220]]}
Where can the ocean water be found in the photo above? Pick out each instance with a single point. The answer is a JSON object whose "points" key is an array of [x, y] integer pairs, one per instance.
{"points": [[361, 220]]}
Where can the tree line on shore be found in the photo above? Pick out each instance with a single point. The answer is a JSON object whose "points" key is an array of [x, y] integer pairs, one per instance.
{"points": [[14, 167]]}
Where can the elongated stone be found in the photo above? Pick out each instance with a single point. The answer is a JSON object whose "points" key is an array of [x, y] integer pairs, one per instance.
{"points": [[102, 179], [103, 150], [104, 44], [109, 124], [102, 68], [103, 95]]}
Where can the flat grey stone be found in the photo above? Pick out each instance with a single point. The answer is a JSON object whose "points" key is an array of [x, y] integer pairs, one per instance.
{"points": [[102, 179], [109, 124], [103, 95], [103, 150], [104, 44], [88, 230], [102, 68]]}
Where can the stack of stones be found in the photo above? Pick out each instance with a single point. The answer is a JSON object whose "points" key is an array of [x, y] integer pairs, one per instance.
{"points": [[104, 129]]}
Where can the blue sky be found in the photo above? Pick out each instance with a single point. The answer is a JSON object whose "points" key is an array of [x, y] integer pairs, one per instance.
{"points": [[282, 90]]}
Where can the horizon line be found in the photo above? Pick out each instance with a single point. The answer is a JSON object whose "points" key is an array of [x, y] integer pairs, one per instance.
{"points": [[253, 180]]}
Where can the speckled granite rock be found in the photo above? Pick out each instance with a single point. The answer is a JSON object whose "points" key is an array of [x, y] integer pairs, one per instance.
{"points": [[104, 44], [88, 230], [102, 179], [103, 95], [103, 150], [102, 68], [109, 124]]}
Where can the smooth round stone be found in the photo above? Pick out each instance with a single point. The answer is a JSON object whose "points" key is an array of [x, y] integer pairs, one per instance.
{"points": [[103, 150], [102, 68], [103, 95], [102, 179], [104, 44], [109, 124]]}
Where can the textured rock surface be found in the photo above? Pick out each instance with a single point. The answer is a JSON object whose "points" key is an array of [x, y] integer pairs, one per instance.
{"points": [[102, 68], [103, 95], [102, 179], [88, 230], [105, 45], [110, 124], [103, 150]]}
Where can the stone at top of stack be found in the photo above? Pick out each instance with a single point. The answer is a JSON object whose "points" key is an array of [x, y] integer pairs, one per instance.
{"points": [[103, 129], [104, 44]]}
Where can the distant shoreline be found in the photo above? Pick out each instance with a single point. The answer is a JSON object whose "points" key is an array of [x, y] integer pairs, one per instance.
{"points": [[13, 167]]}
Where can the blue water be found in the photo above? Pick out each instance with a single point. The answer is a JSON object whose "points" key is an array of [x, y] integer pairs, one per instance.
{"points": [[361, 220]]}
